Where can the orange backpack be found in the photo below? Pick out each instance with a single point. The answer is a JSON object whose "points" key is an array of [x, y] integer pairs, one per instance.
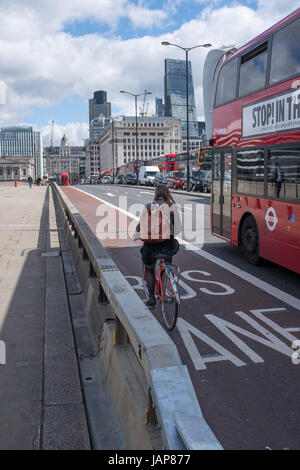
{"points": [[154, 226]]}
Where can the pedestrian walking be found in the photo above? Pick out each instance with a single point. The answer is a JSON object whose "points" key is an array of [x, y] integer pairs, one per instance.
{"points": [[30, 181]]}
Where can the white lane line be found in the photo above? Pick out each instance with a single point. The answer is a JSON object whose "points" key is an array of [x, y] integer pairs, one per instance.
{"points": [[110, 195], [255, 281], [109, 204]]}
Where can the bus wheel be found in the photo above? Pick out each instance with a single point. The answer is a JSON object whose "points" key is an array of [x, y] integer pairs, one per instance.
{"points": [[250, 242]]}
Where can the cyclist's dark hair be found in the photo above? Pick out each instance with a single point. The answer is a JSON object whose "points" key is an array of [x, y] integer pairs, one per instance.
{"points": [[163, 191]]}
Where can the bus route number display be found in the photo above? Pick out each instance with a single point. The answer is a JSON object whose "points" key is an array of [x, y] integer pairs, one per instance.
{"points": [[276, 114]]}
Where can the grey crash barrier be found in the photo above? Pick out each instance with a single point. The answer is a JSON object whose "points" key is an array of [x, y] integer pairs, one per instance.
{"points": [[173, 399]]}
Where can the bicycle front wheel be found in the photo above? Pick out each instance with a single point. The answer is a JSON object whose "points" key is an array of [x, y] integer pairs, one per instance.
{"points": [[169, 306]]}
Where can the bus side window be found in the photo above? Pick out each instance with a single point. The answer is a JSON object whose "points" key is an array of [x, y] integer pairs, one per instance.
{"points": [[285, 58], [226, 89], [286, 185], [253, 70]]}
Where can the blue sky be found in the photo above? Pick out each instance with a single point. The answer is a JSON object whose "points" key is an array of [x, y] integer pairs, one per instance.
{"points": [[56, 53], [184, 11]]}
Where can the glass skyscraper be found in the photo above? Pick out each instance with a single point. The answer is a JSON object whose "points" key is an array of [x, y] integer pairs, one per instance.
{"points": [[99, 105], [175, 95], [159, 107], [23, 142]]}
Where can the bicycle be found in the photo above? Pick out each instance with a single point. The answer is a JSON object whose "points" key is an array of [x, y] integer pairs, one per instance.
{"points": [[166, 280]]}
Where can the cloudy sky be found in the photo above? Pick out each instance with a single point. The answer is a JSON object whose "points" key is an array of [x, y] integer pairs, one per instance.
{"points": [[56, 53]]}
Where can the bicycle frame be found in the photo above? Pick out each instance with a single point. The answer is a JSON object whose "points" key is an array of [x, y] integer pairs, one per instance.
{"points": [[166, 280], [163, 267], [158, 280]]}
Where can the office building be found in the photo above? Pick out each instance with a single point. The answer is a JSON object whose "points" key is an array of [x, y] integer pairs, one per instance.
{"points": [[159, 107], [99, 105], [98, 125], [175, 95], [66, 158], [156, 136], [99, 114], [92, 148], [201, 128], [25, 142], [16, 168]]}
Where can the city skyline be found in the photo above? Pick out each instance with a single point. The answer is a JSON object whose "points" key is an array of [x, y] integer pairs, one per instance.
{"points": [[54, 59]]}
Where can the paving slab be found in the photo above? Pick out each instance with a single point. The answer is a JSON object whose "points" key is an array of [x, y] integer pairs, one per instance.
{"points": [[70, 420], [41, 404]]}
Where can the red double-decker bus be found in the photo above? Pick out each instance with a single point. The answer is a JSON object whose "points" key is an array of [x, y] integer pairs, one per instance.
{"points": [[256, 140], [64, 179], [132, 167], [165, 162], [199, 158]]}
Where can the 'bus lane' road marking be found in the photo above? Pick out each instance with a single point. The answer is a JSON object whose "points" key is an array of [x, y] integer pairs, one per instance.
{"points": [[266, 338], [262, 285], [189, 292]]}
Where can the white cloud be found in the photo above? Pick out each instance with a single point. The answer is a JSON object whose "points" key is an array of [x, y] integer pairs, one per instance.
{"points": [[144, 18], [42, 65], [75, 131], [36, 18]]}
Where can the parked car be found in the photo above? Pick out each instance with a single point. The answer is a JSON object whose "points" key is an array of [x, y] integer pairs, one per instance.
{"points": [[207, 182], [119, 179], [130, 178], [147, 175], [203, 182], [193, 175], [106, 179], [160, 178], [175, 179]]}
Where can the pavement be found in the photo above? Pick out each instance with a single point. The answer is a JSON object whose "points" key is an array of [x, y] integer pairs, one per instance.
{"points": [[236, 325], [41, 401]]}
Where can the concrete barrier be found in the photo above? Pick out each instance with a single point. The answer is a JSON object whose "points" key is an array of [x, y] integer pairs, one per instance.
{"points": [[151, 387]]}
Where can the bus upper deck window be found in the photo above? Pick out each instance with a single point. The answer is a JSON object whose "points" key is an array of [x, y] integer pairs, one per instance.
{"points": [[253, 70], [226, 90], [285, 59]]}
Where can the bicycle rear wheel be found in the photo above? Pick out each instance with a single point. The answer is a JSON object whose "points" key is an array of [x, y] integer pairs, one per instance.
{"points": [[169, 305]]}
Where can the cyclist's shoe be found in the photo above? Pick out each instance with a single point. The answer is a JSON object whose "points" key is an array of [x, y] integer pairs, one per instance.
{"points": [[151, 302]]}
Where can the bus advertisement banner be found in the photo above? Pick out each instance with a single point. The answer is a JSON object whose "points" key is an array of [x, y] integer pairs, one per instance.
{"points": [[279, 113]]}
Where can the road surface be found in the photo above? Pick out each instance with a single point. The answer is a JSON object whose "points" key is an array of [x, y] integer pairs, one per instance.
{"points": [[237, 322]]}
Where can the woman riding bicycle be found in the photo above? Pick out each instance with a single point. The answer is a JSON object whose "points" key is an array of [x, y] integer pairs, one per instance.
{"points": [[168, 247]]}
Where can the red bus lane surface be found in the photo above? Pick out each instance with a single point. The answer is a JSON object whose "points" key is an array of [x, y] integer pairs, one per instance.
{"points": [[235, 338]]}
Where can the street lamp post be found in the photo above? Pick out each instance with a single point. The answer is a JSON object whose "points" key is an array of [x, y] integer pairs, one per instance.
{"points": [[186, 49], [136, 124], [113, 148]]}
